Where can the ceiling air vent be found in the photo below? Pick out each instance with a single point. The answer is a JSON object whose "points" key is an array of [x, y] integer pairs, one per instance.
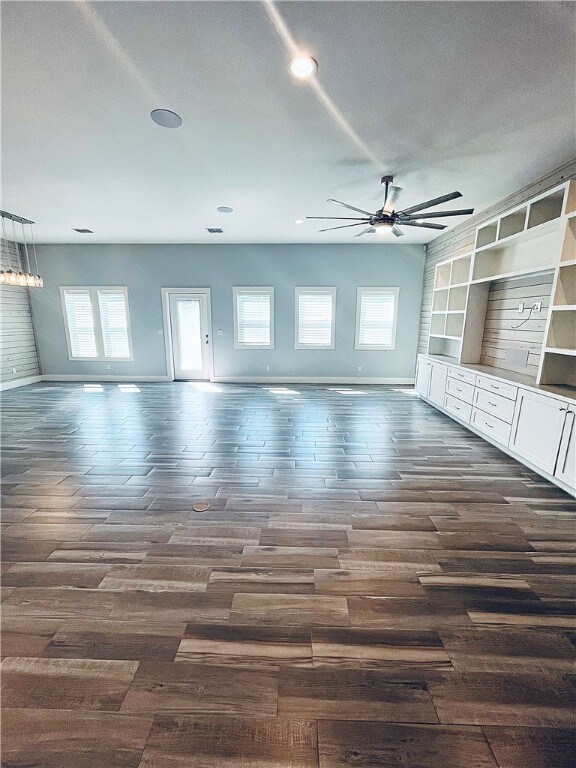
{"points": [[215, 230], [84, 231]]}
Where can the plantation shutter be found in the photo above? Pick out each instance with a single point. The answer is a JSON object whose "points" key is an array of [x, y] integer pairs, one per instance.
{"points": [[253, 319], [80, 321], [315, 319], [376, 322], [114, 321]]}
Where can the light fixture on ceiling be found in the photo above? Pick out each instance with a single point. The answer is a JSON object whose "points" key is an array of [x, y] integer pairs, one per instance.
{"points": [[225, 209], [384, 227], [83, 230], [215, 230], [298, 221], [24, 279], [302, 66], [166, 118]]}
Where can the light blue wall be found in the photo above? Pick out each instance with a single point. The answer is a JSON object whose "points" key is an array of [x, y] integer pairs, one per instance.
{"points": [[147, 268]]}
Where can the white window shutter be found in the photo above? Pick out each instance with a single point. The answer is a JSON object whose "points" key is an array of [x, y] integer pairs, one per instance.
{"points": [[114, 321], [80, 321], [376, 318], [315, 312], [253, 314]]}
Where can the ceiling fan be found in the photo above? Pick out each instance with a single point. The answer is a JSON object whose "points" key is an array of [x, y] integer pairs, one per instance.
{"points": [[386, 219]]}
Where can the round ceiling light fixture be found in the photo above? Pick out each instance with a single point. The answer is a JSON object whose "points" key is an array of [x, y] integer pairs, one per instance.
{"points": [[166, 118], [298, 221], [383, 227], [302, 66], [225, 209]]}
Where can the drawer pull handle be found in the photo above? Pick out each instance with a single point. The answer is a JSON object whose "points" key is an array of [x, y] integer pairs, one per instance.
{"points": [[563, 409], [458, 389], [490, 426], [456, 407], [493, 386], [494, 405]]}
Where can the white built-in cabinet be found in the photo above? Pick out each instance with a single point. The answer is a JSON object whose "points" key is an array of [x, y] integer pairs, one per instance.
{"points": [[566, 465], [531, 417], [537, 429]]}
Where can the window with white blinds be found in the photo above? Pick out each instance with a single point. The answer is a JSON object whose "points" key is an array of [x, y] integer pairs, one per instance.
{"points": [[254, 318], [315, 310], [80, 323], [376, 311], [97, 323]]}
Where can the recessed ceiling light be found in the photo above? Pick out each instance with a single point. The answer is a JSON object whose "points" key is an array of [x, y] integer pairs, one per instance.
{"points": [[83, 231], [166, 118], [302, 66], [215, 230], [298, 221], [224, 209]]}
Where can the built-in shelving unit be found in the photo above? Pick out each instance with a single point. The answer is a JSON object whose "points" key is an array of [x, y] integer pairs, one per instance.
{"points": [[534, 238], [449, 306]]}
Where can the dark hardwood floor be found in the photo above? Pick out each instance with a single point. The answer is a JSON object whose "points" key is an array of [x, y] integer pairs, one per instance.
{"points": [[371, 586]]}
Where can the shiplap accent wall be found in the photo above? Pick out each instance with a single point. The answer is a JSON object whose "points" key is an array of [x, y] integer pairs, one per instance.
{"points": [[507, 329], [460, 240], [16, 329]]}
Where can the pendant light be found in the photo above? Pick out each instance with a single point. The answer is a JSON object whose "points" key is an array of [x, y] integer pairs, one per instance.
{"points": [[24, 279]]}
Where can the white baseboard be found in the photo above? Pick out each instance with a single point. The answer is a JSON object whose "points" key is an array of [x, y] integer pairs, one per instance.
{"points": [[109, 377], [308, 380], [20, 382]]}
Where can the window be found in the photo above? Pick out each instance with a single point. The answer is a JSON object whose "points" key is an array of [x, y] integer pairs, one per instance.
{"points": [[97, 323], [315, 308], [254, 318], [376, 312]]}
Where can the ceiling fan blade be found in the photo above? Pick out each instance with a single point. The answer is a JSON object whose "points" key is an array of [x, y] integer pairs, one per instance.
{"points": [[368, 230], [338, 218], [342, 226], [431, 203], [391, 197], [421, 224], [352, 208], [397, 231], [439, 214]]}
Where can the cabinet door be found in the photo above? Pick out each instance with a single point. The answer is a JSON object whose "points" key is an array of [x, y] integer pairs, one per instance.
{"points": [[566, 466], [423, 377], [438, 384], [537, 429]]}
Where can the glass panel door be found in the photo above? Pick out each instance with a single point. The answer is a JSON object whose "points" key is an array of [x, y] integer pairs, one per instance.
{"points": [[190, 336]]}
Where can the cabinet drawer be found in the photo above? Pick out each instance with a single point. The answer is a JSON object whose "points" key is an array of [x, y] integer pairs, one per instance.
{"points": [[494, 404], [458, 408], [490, 425], [497, 386], [462, 374], [460, 389]]}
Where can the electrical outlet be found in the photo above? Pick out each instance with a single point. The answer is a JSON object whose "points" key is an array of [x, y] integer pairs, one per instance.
{"points": [[220, 332], [108, 367], [160, 332], [359, 368], [521, 307], [13, 370], [537, 306], [267, 367]]}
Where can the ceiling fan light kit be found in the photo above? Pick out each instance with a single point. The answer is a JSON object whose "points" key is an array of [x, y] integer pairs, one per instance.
{"points": [[387, 220]]}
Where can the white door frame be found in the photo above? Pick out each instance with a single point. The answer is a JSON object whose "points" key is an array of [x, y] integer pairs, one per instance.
{"points": [[168, 340]]}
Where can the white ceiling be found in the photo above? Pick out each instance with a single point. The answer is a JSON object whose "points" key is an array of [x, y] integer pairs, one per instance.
{"points": [[445, 95]]}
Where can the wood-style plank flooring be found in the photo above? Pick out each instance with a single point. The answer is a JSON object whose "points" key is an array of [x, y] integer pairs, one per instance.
{"points": [[371, 586]]}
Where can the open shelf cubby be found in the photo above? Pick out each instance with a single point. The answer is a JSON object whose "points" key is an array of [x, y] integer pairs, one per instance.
{"points": [[442, 276], [455, 324], [512, 224], [569, 244], [486, 235], [448, 348], [457, 298], [440, 300], [437, 324], [559, 369], [562, 331], [546, 209], [460, 270], [516, 256], [565, 294]]}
